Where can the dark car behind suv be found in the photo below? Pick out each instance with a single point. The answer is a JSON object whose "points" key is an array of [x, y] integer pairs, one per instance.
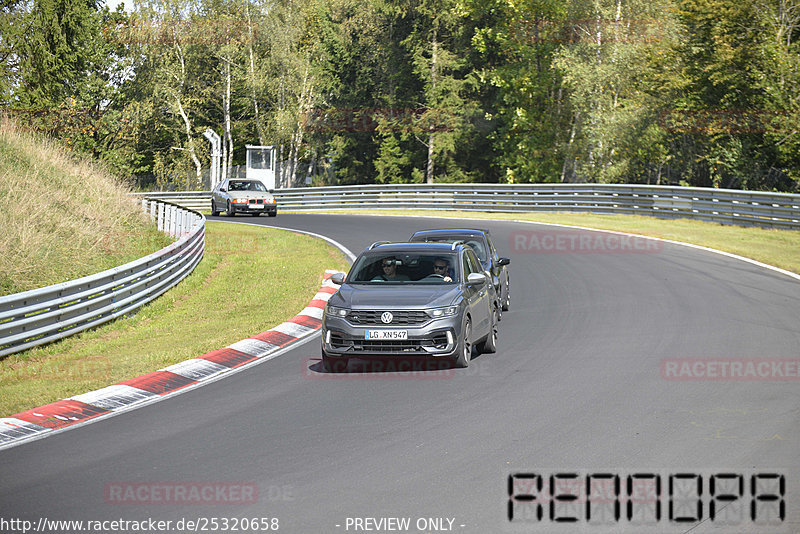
{"points": [[410, 300], [481, 242]]}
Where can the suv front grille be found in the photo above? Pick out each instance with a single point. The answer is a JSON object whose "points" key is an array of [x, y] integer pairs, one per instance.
{"points": [[399, 317], [387, 345], [392, 346]]}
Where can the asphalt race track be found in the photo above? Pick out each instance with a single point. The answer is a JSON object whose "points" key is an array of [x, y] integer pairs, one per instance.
{"points": [[596, 374]]}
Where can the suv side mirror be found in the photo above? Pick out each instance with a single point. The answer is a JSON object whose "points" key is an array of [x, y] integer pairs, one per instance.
{"points": [[338, 278], [476, 278], [503, 261]]}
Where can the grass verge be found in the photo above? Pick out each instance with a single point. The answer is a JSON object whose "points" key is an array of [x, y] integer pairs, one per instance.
{"points": [[780, 248], [250, 280], [62, 219]]}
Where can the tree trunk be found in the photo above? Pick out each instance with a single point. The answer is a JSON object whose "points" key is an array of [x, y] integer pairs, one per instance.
{"points": [[187, 123], [252, 72], [434, 58], [569, 149], [228, 132]]}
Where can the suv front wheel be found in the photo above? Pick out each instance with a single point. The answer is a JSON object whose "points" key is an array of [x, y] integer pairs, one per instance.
{"points": [[489, 345], [465, 346]]}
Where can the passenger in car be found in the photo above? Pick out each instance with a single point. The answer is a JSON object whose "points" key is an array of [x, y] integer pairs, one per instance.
{"points": [[390, 271]]}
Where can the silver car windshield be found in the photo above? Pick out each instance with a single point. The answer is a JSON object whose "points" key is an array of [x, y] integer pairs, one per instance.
{"points": [[247, 186], [405, 269]]}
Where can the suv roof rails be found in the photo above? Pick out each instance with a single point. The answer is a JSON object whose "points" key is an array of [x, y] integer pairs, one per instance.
{"points": [[376, 243]]}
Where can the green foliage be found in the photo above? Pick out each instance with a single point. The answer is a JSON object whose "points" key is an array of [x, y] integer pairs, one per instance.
{"points": [[701, 92]]}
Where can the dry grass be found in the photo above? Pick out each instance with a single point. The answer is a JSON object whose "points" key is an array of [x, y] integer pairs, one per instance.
{"points": [[61, 219]]}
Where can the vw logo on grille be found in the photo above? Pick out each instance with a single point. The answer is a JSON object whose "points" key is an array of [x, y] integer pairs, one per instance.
{"points": [[387, 317]]}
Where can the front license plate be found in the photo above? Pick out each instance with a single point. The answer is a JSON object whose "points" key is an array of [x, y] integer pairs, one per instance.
{"points": [[386, 334], [256, 206]]}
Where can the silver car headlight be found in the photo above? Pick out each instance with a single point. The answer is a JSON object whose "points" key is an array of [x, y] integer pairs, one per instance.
{"points": [[436, 313], [336, 312]]}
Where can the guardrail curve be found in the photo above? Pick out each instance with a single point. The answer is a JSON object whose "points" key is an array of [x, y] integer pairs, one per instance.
{"points": [[725, 206], [39, 316]]}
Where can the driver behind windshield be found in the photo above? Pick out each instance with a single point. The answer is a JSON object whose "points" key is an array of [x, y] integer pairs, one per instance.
{"points": [[441, 267]]}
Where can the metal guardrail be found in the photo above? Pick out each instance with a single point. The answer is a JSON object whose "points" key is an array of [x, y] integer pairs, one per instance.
{"points": [[39, 316], [725, 206], [193, 200]]}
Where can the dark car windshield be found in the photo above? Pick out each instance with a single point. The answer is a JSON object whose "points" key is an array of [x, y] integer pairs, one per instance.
{"points": [[247, 186], [475, 242], [414, 268]]}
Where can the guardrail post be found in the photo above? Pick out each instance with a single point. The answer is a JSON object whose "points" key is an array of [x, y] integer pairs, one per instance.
{"points": [[171, 227], [160, 216], [166, 218]]}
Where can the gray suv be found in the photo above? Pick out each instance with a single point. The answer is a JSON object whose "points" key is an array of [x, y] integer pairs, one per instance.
{"points": [[408, 300]]}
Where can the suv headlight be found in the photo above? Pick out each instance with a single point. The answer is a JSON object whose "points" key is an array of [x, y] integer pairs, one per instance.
{"points": [[436, 313], [336, 312]]}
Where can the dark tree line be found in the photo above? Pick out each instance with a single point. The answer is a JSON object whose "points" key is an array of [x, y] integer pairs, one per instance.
{"points": [[692, 92]]}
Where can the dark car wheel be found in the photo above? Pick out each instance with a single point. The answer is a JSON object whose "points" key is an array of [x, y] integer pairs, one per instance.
{"points": [[490, 343], [214, 210], [334, 365], [229, 210], [507, 299], [272, 213], [465, 346]]}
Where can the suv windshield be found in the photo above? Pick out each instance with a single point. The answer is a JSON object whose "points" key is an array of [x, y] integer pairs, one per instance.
{"points": [[415, 268]]}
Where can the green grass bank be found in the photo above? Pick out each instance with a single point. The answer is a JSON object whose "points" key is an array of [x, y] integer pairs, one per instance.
{"points": [[250, 280], [61, 219]]}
